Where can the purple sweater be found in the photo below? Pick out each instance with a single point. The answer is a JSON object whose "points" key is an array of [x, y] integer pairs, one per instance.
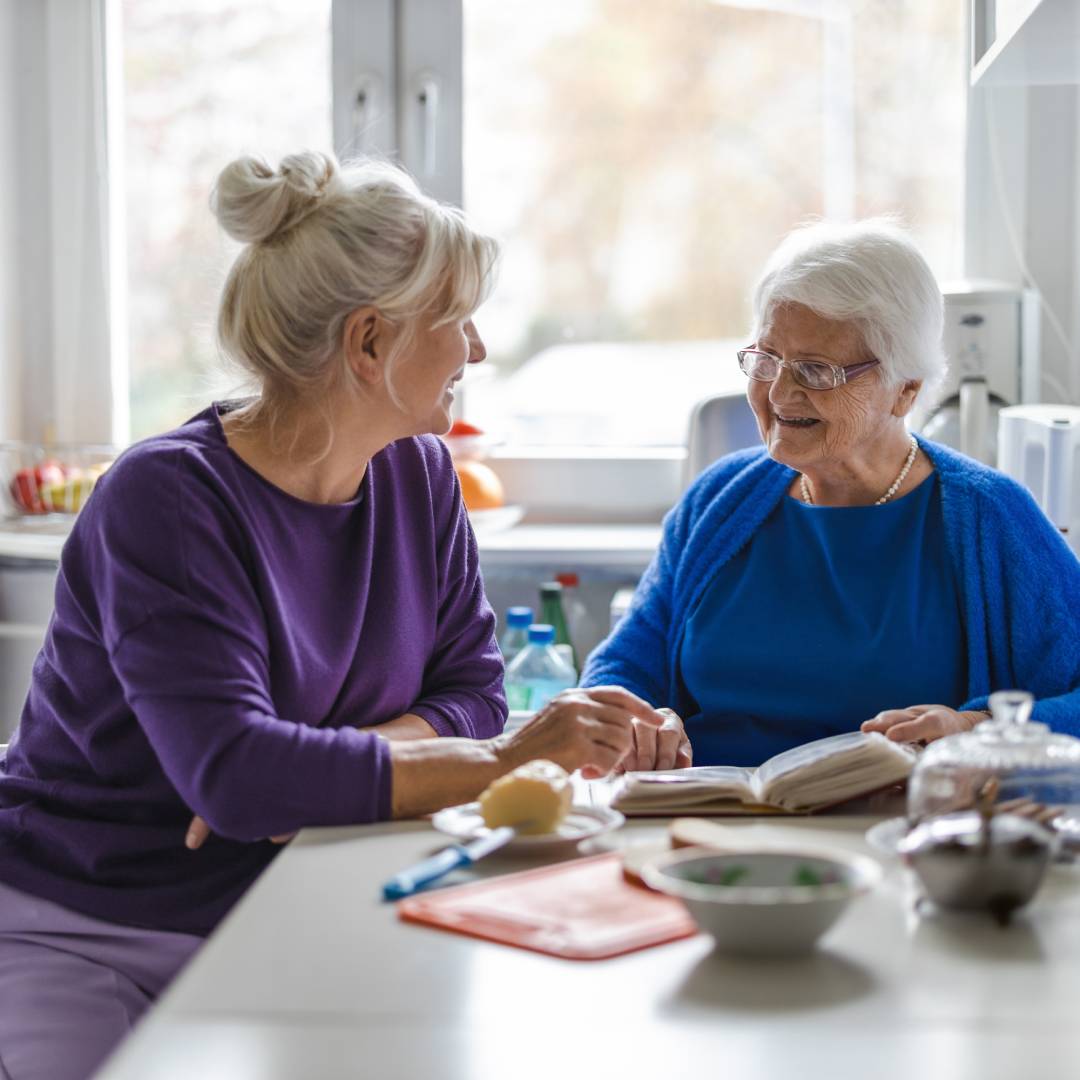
{"points": [[215, 648]]}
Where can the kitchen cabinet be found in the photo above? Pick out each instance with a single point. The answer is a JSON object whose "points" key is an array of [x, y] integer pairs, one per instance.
{"points": [[1037, 43], [26, 601]]}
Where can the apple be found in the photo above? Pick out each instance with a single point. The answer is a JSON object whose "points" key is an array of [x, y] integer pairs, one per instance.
{"points": [[28, 485], [69, 496]]}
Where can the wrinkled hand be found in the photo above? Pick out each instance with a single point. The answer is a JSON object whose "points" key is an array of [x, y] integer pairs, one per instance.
{"points": [[198, 831], [591, 730], [663, 747], [922, 723]]}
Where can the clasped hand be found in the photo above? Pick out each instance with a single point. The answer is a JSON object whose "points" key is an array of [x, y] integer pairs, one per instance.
{"points": [[596, 730], [663, 747]]}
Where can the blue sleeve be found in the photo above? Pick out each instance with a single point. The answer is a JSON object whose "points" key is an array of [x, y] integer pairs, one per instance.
{"points": [[636, 653], [639, 654], [1031, 593]]}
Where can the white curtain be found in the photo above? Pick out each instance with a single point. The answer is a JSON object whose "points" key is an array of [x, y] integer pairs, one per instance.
{"points": [[85, 343], [63, 357]]}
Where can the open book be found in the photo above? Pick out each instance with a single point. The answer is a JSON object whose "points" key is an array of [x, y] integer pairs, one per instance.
{"points": [[809, 777]]}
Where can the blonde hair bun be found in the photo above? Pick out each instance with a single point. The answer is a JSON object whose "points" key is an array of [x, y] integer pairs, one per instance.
{"points": [[255, 203], [323, 240]]}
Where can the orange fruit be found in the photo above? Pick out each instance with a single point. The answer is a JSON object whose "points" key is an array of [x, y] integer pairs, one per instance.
{"points": [[462, 427], [480, 487]]}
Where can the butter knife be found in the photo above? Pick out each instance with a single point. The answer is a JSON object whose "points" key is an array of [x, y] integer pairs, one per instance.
{"points": [[424, 873]]}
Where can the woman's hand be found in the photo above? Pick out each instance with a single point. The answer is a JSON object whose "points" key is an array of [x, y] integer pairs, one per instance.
{"points": [[198, 831], [591, 730], [922, 723], [663, 747]]}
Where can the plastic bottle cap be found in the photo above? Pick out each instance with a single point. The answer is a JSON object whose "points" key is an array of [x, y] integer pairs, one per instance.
{"points": [[541, 634], [568, 581], [519, 616]]}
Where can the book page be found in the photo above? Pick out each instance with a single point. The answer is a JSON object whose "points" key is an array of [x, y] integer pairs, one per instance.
{"points": [[676, 789], [832, 770]]}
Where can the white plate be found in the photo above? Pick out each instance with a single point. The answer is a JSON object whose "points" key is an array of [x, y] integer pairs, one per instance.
{"points": [[465, 823], [485, 522], [885, 836]]}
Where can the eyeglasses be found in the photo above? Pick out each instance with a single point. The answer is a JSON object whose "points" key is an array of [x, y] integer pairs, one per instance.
{"points": [[813, 374]]}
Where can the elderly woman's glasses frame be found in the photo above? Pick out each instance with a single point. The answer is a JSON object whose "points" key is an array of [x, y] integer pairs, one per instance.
{"points": [[813, 374]]}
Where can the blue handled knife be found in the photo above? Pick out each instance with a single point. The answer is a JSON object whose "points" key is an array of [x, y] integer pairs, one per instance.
{"points": [[429, 870]]}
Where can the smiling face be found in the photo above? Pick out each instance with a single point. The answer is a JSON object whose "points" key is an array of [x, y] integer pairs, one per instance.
{"points": [[427, 374], [809, 429]]}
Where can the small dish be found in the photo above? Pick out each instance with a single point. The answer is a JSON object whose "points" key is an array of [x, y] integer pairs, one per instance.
{"points": [[763, 903], [582, 823], [885, 836], [499, 519]]}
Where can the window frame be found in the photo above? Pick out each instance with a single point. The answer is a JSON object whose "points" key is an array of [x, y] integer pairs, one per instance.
{"points": [[392, 49]]}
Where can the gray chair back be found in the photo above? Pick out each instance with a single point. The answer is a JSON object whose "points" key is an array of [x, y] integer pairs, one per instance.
{"points": [[718, 425]]}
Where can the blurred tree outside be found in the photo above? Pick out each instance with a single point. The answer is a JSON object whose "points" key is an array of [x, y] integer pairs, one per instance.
{"points": [[203, 83], [639, 160]]}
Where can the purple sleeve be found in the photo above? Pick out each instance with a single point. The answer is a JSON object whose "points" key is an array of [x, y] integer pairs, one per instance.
{"points": [[187, 641], [463, 682]]}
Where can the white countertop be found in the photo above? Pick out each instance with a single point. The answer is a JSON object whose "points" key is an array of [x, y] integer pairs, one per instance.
{"points": [[615, 546], [627, 547], [313, 976], [34, 538]]}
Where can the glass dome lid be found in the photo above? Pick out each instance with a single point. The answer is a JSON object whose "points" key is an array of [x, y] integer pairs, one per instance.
{"points": [[1008, 761]]}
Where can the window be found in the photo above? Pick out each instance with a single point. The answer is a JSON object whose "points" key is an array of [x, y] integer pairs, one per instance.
{"points": [[638, 160], [203, 82]]}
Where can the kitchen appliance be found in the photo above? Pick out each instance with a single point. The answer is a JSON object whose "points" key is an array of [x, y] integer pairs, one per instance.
{"points": [[991, 341], [1040, 446]]}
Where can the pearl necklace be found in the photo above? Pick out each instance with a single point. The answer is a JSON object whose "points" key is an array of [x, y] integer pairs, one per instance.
{"points": [[804, 487]]}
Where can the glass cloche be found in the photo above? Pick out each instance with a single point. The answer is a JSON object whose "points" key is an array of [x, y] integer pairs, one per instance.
{"points": [[1008, 764]]}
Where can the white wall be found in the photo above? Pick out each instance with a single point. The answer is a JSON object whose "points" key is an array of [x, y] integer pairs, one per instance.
{"points": [[1023, 209]]}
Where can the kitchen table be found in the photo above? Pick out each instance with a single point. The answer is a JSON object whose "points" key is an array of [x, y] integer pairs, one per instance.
{"points": [[312, 976]]}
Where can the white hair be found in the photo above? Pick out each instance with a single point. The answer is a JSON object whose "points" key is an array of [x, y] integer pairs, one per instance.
{"points": [[322, 240], [871, 274]]}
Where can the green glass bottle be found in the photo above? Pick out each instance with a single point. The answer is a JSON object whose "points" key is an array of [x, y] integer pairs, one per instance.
{"points": [[551, 612]]}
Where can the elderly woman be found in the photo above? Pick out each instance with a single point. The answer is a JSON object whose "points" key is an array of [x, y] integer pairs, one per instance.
{"points": [[849, 573], [271, 617]]}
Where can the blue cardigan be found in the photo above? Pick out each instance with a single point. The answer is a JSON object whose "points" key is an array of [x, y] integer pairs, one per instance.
{"points": [[1019, 584]]}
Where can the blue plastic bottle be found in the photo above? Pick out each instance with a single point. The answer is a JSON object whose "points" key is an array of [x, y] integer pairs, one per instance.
{"points": [[538, 672], [516, 635]]}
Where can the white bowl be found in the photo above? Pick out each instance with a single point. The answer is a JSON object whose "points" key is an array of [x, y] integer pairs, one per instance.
{"points": [[763, 902]]}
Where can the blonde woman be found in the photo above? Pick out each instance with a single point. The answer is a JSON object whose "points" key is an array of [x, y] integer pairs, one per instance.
{"points": [[271, 617]]}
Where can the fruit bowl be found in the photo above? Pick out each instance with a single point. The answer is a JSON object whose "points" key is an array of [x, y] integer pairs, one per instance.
{"points": [[40, 480]]}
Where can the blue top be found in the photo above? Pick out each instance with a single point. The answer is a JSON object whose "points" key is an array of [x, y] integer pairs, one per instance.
{"points": [[1019, 585], [810, 585]]}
